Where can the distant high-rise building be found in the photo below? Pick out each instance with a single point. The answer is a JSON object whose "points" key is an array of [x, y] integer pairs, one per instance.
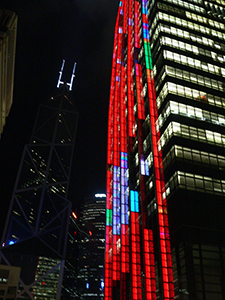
{"points": [[35, 234], [47, 284], [165, 225], [90, 278], [69, 285], [8, 30]]}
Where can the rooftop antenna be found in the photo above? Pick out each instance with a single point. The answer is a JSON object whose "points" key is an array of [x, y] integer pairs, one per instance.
{"points": [[71, 79]]}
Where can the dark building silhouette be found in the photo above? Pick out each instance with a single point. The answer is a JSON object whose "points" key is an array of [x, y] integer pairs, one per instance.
{"points": [[35, 233], [165, 228], [8, 31]]}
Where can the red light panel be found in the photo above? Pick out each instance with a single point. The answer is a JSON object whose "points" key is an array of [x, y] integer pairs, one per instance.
{"points": [[124, 222]]}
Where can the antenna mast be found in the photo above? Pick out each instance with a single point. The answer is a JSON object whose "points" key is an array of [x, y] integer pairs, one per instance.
{"points": [[71, 79]]}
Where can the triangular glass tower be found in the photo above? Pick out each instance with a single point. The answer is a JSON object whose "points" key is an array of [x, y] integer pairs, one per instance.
{"points": [[36, 228]]}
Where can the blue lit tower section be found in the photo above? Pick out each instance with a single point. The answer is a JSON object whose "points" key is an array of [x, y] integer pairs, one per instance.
{"points": [[35, 232]]}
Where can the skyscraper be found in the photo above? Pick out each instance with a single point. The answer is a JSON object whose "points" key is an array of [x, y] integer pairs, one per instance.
{"points": [[69, 285], [90, 278], [165, 167], [35, 232], [8, 31]]}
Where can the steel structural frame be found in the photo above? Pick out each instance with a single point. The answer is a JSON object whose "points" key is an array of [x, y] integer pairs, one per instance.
{"points": [[49, 161]]}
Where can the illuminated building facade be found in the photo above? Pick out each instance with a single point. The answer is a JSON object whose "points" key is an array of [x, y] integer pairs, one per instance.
{"points": [[165, 166], [8, 31], [35, 233], [47, 276], [90, 278]]}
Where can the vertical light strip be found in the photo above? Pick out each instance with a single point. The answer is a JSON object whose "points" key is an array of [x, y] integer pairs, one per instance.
{"points": [[124, 216], [152, 265], [110, 155], [166, 259], [130, 64], [119, 81], [124, 182], [135, 246], [148, 280], [116, 223], [140, 99], [137, 25], [112, 159], [149, 265], [124, 164]]}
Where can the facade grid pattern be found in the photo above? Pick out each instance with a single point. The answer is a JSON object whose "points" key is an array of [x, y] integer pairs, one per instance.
{"points": [[165, 223]]}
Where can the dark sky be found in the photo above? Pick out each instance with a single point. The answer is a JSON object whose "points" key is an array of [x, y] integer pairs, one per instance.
{"points": [[49, 31]]}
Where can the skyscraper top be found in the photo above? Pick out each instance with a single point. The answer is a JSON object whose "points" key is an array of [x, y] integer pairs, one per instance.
{"points": [[70, 85]]}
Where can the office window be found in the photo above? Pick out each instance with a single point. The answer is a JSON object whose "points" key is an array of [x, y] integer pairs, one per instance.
{"points": [[193, 133], [173, 107], [195, 182], [190, 93]]}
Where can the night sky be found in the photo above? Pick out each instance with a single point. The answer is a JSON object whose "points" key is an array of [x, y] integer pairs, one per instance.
{"points": [[48, 32]]}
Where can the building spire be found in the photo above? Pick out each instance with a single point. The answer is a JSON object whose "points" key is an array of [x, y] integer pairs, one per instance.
{"points": [[71, 79]]}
